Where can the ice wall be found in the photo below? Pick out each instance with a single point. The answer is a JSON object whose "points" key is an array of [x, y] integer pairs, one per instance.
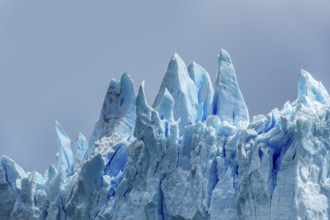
{"points": [[193, 154]]}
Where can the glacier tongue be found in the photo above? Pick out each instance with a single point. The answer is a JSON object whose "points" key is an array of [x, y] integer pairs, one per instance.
{"points": [[193, 155], [228, 102]]}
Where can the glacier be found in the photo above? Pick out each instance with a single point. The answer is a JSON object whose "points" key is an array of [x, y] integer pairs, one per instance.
{"points": [[193, 154]]}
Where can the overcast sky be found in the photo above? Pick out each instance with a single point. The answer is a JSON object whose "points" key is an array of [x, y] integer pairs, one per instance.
{"points": [[58, 57]]}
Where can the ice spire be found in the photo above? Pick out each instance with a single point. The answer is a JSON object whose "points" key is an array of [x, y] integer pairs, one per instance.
{"points": [[228, 102], [183, 91], [118, 113], [118, 99], [79, 149], [143, 112], [142, 106], [205, 90], [64, 154], [165, 107], [308, 86], [277, 168], [10, 172]]}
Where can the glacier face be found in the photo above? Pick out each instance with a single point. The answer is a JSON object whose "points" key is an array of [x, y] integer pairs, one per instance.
{"points": [[193, 154]]}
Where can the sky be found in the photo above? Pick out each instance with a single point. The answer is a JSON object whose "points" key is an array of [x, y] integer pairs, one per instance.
{"points": [[58, 57]]}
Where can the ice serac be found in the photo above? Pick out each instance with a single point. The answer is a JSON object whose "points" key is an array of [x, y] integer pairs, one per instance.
{"points": [[10, 174], [311, 88], [64, 154], [25, 205], [80, 149], [165, 107], [183, 90], [228, 102], [203, 167], [143, 112], [205, 91], [85, 192], [118, 114]]}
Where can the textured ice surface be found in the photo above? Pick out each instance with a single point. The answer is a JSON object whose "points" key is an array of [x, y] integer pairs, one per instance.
{"points": [[183, 91], [228, 101], [193, 154]]}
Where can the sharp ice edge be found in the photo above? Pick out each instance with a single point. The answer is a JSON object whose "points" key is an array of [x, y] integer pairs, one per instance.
{"points": [[118, 113], [312, 89], [183, 90], [228, 101], [193, 155], [204, 87], [64, 156]]}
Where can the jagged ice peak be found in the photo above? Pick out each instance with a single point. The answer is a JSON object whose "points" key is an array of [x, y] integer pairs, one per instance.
{"points": [[193, 154]]}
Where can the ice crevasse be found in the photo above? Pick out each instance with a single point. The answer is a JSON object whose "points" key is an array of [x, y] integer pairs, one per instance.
{"points": [[193, 154]]}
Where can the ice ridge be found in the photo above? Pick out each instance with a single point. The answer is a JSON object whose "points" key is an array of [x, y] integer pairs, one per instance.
{"points": [[193, 154]]}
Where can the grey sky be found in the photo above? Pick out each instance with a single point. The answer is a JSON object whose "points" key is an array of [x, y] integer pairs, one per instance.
{"points": [[57, 57]]}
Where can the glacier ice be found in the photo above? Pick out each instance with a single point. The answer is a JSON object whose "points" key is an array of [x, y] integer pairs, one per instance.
{"points": [[228, 101], [183, 90], [117, 116], [64, 155], [193, 154], [313, 89], [204, 87], [79, 150]]}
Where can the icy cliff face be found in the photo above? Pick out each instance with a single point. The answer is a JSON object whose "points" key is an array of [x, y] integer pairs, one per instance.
{"points": [[193, 154]]}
